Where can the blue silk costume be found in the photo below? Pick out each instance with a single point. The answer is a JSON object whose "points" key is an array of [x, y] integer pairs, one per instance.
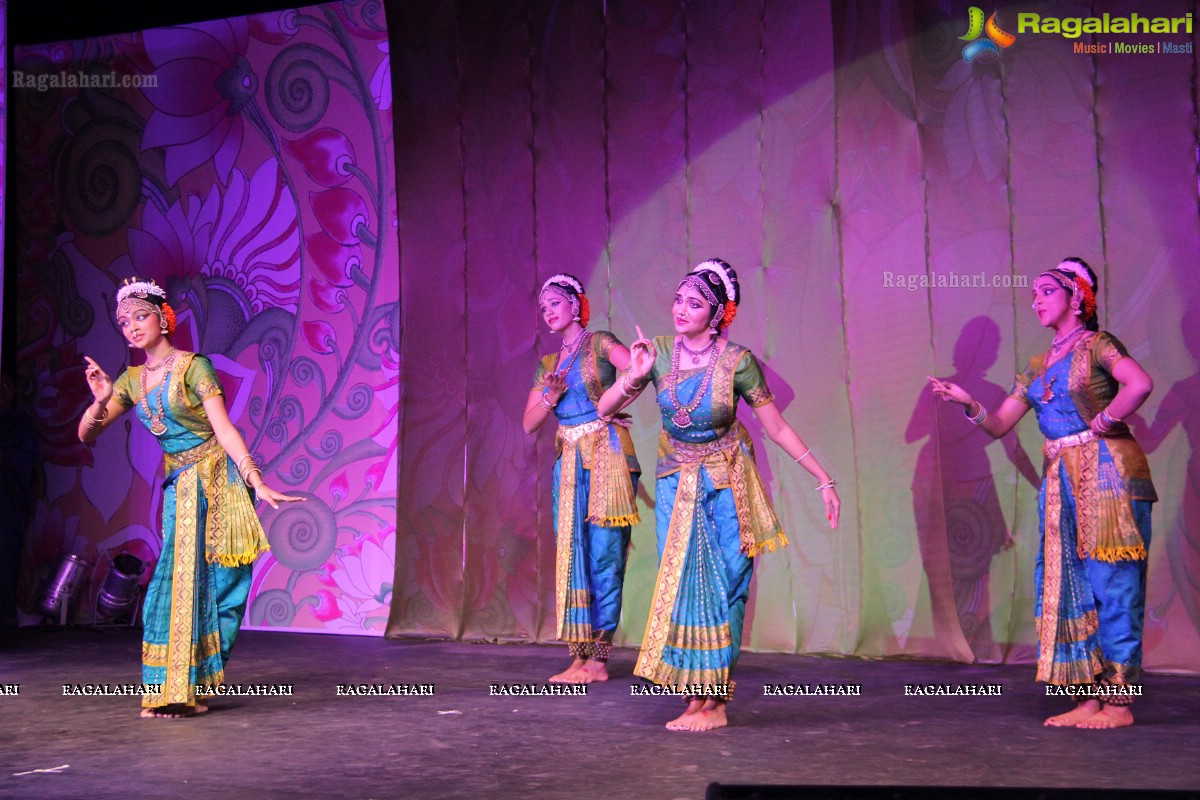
{"points": [[1094, 510], [595, 477], [712, 517], [211, 536]]}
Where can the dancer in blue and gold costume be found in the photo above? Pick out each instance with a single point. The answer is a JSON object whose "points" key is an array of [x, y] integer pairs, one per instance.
{"points": [[1094, 503], [211, 534], [713, 515], [595, 477]]}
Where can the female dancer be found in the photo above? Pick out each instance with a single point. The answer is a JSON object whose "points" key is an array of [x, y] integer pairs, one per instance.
{"points": [[595, 477], [1095, 500], [211, 535], [712, 511]]}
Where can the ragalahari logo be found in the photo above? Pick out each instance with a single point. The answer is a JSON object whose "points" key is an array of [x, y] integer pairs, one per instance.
{"points": [[996, 38]]}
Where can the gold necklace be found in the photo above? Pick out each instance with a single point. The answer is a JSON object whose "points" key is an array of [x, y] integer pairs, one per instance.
{"points": [[168, 357], [683, 412], [157, 426], [578, 344]]}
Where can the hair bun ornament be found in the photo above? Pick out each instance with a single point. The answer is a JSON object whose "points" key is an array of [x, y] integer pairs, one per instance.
{"points": [[563, 279], [1078, 271], [717, 268], [585, 310], [139, 288]]}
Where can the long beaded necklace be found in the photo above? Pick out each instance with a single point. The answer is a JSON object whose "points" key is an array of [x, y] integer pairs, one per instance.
{"points": [[577, 345], [696, 354], [1055, 348], [683, 413], [157, 426]]}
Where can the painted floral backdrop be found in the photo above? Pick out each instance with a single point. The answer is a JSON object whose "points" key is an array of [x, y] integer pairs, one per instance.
{"points": [[246, 165]]}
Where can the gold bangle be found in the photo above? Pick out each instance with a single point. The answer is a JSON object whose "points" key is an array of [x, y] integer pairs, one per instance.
{"points": [[250, 472]]}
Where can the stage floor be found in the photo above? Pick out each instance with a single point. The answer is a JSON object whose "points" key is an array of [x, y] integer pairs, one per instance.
{"points": [[465, 742]]}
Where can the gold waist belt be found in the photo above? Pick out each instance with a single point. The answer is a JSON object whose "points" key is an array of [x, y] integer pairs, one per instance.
{"points": [[689, 453], [193, 456], [1054, 447], [571, 434]]}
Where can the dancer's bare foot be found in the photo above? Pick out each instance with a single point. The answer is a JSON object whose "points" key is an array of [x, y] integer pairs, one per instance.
{"points": [[1109, 717], [175, 711], [593, 671], [571, 674], [710, 715], [1072, 718], [681, 722]]}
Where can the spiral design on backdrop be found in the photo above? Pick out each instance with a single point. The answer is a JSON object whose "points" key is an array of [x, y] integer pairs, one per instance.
{"points": [[303, 535], [101, 177], [305, 372], [274, 608], [357, 402], [973, 535], [329, 446], [367, 14], [297, 89]]}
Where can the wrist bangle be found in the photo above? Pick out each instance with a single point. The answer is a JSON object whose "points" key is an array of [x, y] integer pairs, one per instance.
{"points": [[829, 484], [546, 404], [250, 467], [979, 418], [801, 458], [92, 421], [628, 388]]}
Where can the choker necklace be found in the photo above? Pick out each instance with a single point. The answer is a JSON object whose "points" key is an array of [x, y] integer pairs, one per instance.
{"points": [[696, 354], [165, 359], [1059, 344], [568, 345], [157, 426], [683, 413]]}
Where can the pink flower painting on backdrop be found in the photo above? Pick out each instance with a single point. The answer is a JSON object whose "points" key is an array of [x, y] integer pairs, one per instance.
{"points": [[247, 234], [211, 84]]}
